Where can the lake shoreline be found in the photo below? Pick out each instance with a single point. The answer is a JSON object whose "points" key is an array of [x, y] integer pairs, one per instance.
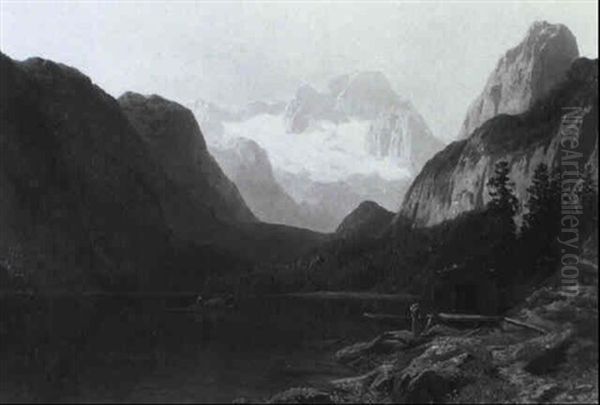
{"points": [[502, 363]]}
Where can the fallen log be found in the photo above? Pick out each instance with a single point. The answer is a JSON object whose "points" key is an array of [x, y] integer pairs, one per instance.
{"points": [[381, 317], [525, 325], [461, 318], [468, 318]]}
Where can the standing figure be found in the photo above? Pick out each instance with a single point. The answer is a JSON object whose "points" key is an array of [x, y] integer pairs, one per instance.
{"points": [[415, 317]]}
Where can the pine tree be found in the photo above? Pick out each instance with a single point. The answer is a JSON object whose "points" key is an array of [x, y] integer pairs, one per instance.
{"points": [[503, 202], [543, 204], [541, 224], [501, 209]]}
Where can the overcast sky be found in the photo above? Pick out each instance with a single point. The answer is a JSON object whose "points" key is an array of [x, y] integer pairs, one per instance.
{"points": [[438, 54]]}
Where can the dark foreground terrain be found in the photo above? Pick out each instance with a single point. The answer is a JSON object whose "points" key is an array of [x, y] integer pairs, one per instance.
{"points": [[499, 363], [152, 349]]}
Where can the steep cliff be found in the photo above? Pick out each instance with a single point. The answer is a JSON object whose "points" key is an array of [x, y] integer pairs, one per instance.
{"points": [[399, 133], [248, 165], [453, 181], [524, 74], [175, 141], [396, 130]]}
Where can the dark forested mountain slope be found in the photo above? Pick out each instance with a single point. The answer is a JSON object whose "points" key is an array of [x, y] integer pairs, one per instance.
{"points": [[90, 193], [79, 189], [205, 206], [369, 219]]}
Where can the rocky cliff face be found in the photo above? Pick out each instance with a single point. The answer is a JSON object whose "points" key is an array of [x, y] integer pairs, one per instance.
{"points": [[308, 107], [399, 133], [248, 165], [175, 141], [396, 132], [524, 74], [364, 94], [454, 180]]}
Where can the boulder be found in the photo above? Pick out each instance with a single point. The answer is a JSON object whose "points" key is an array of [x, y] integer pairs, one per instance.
{"points": [[385, 343], [369, 387], [446, 365], [543, 354], [441, 330], [545, 393], [538, 355]]}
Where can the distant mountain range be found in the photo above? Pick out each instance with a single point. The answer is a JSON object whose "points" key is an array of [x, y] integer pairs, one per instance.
{"points": [[328, 151], [99, 193]]}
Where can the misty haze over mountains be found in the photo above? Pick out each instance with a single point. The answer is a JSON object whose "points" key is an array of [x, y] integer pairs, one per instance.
{"points": [[323, 152], [369, 108], [229, 54]]}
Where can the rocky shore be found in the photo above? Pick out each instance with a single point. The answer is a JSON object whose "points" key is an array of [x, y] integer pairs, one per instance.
{"points": [[497, 363]]}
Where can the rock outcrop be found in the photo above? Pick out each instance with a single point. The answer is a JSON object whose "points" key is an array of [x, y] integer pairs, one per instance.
{"points": [[447, 365], [308, 107], [453, 181], [399, 133], [511, 364], [360, 96], [524, 74], [248, 165], [364, 95], [385, 343]]}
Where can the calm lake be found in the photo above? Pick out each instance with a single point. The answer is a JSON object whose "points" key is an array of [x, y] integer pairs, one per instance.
{"points": [[134, 350]]}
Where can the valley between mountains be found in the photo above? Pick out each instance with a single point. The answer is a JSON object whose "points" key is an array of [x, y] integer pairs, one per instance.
{"points": [[156, 250]]}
